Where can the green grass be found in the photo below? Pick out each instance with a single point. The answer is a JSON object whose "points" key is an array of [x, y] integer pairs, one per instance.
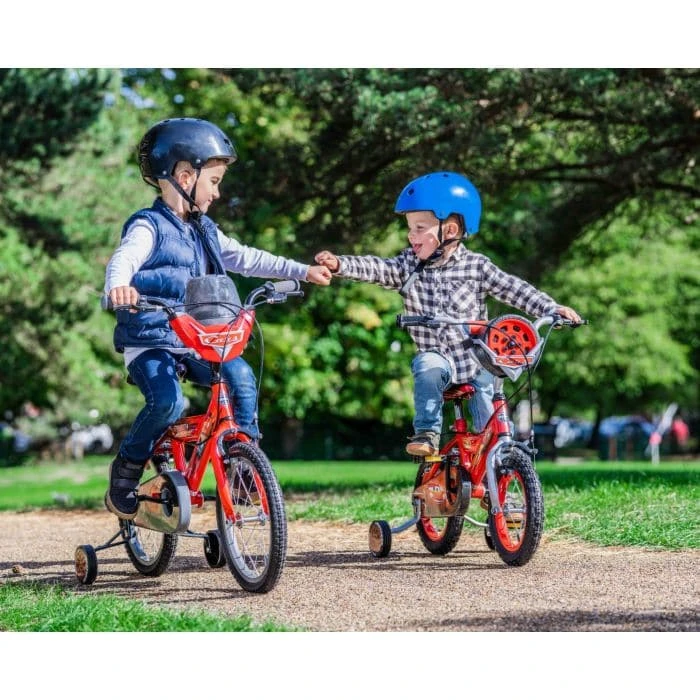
{"points": [[606, 503], [617, 503], [630, 504], [33, 607]]}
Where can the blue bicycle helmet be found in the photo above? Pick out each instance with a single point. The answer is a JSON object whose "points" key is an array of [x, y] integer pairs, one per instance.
{"points": [[172, 140], [443, 193]]}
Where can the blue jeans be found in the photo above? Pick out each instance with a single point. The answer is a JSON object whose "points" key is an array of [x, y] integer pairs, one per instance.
{"points": [[431, 376], [154, 373]]}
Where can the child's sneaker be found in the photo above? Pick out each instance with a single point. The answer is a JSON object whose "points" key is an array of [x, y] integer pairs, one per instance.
{"points": [[121, 498], [424, 444]]}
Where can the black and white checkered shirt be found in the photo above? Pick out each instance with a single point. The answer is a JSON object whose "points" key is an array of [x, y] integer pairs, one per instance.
{"points": [[458, 288]]}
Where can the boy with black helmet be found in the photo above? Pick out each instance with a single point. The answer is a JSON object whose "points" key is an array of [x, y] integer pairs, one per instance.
{"points": [[162, 248], [437, 275]]}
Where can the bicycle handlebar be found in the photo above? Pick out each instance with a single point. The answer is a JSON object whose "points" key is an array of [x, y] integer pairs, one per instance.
{"points": [[271, 293], [403, 321]]}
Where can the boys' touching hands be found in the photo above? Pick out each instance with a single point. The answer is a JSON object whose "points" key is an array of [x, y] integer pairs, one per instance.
{"points": [[326, 258], [318, 274]]}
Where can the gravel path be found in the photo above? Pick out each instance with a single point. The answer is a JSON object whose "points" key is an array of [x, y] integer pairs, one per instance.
{"points": [[332, 583]]}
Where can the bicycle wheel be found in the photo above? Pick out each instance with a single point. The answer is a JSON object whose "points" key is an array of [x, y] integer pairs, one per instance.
{"points": [[150, 551], [255, 543], [517, 534], [438, 535]]}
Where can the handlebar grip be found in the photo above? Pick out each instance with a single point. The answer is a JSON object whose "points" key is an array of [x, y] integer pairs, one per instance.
{"points": [[286, 286], [402, 321], [572, 324], [144, 304], [107, 304]]}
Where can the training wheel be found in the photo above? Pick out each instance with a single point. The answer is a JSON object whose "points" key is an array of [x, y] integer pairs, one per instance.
{"points": [[213, 551], [85, 564], [380, 538], [489, 539]]}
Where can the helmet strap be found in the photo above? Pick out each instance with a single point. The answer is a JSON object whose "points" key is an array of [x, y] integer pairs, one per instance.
{"points": [[189, 198], [436, 255]]}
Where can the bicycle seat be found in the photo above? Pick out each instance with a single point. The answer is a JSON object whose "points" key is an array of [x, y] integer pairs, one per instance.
{"points": [[459, 391]]}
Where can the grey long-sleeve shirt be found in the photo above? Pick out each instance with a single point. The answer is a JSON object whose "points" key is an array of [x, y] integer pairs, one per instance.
{"points": [[137, 244]]}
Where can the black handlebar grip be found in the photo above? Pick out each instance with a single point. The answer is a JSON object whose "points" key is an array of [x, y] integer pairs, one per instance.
{"points": [[286, 286], [402, 320]]}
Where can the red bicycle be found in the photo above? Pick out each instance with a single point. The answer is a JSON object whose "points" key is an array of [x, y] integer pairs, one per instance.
{"points": [[251, 533], [489, 466]]}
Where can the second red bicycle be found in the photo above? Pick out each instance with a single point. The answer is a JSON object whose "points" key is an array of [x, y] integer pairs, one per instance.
{"points": [[490, 466]]}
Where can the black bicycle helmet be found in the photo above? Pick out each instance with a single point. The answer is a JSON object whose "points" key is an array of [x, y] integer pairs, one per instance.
{"points": [[172, 140]]}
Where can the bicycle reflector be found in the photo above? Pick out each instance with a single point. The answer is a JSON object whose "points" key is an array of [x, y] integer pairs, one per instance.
{"points": [[509, 345]]}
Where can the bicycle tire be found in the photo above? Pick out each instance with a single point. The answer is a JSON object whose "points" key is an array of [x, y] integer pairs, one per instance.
{"points": [[523, 510], [149, 551], [438, 535], [255, 545]]}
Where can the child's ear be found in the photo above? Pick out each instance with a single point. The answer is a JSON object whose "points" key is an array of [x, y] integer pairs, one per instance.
{"points": [[451, 229]]}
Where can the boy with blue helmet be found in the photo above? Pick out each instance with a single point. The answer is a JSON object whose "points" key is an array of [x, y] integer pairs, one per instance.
{"points": [[438, 276], [163, 247]]}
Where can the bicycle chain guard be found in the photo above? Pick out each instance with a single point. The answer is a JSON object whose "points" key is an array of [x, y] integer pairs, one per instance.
{"points": [[166, 505], [445, 494]]}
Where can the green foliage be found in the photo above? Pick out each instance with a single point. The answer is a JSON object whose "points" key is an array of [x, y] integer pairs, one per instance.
{"points": [[576, 167], [42, 113], [639, 285]]}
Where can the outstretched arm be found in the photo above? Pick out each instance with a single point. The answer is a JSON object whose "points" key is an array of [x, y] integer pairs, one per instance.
{"points": [[387, 272]]}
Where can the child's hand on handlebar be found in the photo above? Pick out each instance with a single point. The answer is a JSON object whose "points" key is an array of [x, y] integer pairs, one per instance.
{"points": [[569, 314], [319, 274], [124, 296], [326, 258]]}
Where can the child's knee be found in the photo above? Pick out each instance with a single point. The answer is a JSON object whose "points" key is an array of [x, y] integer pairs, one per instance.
{"points": [[166, 412]]}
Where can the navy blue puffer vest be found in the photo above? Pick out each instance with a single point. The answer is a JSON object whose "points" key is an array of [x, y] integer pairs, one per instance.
{"points": [[175, 259]]}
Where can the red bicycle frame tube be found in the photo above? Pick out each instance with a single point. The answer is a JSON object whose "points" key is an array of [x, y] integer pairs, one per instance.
{"points": [[473, 448], [204, 433]]}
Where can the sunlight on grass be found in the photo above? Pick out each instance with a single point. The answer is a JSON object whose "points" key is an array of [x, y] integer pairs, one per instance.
{"points": [[42, 608], [608, 503]]}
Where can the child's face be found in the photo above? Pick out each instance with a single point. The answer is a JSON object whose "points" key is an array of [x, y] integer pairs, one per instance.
{"points": [[422, 233], [207, 190]]}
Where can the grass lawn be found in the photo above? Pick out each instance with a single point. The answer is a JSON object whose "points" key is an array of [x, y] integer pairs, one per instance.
{"points": [[607, 503]]}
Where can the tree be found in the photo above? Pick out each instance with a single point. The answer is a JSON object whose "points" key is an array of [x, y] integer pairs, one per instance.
{"points": [[640, 288], [551, 150]]}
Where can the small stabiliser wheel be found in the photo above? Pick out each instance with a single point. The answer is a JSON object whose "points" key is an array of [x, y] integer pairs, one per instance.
{"points": [[213, 551], [380, 538], [86, 564]]}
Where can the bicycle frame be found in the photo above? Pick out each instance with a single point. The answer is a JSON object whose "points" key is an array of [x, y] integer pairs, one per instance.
{"points": [[479, 452], [481, 465], [207, 434]]}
